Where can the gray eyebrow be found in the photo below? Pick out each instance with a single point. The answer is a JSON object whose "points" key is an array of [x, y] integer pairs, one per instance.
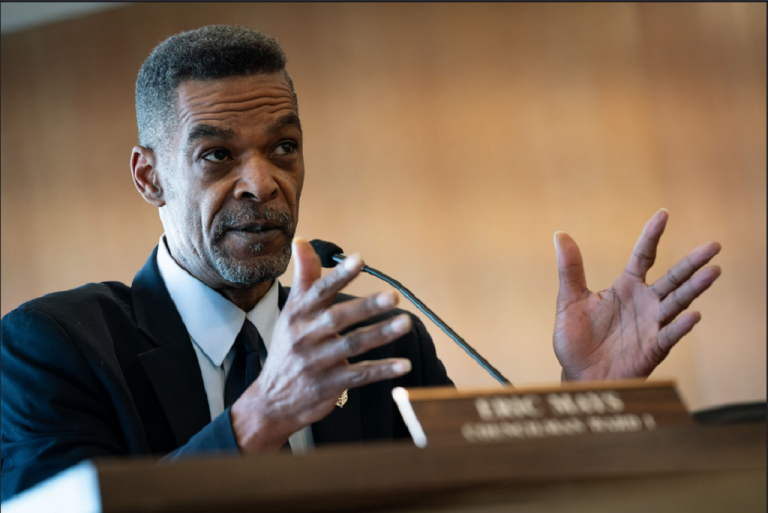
{"points": [[203, 131]]}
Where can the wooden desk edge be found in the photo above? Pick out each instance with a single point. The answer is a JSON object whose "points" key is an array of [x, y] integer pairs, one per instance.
{"points": [[434, 393]]}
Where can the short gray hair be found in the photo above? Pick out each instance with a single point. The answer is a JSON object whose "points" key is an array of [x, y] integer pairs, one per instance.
{"points": [[211, 52]]}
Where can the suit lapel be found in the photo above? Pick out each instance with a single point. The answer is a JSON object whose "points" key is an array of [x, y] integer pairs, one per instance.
{"points": [[171, 366], [174, 372], [342, 424]]}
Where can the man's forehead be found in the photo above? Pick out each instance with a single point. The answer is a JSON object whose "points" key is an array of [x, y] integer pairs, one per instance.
{"points": [[269, 83], [232, 95], [202, 104]]}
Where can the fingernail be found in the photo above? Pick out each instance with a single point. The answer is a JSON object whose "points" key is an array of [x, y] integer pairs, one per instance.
{"points": [[556, 238], [402, 366], [401, 324], [351, 262], [297, 239], [664, 209], [385, 299]]}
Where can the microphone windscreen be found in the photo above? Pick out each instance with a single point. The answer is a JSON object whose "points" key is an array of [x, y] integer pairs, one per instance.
{"points": [[325, 250]]}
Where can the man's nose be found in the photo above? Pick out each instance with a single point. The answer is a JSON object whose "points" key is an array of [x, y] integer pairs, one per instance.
{"points": [[257, 181]]}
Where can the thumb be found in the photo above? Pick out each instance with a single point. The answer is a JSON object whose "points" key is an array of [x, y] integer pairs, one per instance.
{"points": [[570, 268], [306, 265]]}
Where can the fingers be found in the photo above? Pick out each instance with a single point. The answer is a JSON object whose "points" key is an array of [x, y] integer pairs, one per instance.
{"points": [[685, 268], [364, 339], [306, 265], [674, 331], [570, 268], [343, 315], [644, 253], [364, 373], [311, 292], [325, 289], [679, 299]]}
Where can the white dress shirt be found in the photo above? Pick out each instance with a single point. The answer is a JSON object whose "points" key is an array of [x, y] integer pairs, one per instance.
{"points": [[213, 322]]}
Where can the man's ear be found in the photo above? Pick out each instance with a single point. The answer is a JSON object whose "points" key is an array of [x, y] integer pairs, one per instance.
{"points": [[145, 177]]}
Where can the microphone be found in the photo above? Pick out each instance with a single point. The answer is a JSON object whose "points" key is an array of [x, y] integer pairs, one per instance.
{"points": [[330, 254]]}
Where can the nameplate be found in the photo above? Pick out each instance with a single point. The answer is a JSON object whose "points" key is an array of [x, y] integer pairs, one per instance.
{"points": [[448, 416]]}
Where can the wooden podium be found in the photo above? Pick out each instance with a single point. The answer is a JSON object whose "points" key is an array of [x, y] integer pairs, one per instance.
{"points": [[693, 468]]}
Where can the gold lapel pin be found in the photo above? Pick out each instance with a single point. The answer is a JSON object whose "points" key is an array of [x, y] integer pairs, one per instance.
{"points": [[343, 399]]}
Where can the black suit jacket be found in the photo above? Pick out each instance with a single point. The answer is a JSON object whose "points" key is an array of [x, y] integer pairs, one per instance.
{"points": [[107, 370]]}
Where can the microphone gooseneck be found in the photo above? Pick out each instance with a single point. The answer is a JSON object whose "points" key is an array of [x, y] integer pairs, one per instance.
{"points": [[330, 254]]}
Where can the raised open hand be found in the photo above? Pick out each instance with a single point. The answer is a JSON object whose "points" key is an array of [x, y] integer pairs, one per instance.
{"points": [[625, 331], [308, 368]]}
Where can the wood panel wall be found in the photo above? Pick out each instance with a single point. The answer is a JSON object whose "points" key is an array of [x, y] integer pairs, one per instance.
{"points": [[446, 143]]}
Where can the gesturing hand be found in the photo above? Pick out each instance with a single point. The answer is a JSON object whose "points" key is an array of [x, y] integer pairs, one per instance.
{"points": [[307, 368], [627, 330]]}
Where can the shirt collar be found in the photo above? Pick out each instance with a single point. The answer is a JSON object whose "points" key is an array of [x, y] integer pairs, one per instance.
{"points": [[212, 321], [264, 315]]}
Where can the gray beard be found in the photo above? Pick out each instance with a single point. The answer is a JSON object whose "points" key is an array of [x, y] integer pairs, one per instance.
{"points": [[269, 267]]}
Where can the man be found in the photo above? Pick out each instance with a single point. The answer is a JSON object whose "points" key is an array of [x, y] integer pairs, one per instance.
{"points": [[177, 363]]}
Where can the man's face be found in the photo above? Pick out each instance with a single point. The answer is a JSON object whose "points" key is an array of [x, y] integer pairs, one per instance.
{"points": [[232, 179]]}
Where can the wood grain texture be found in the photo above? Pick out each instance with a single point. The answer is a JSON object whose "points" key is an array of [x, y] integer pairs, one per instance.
{"points": [[710, 466], [446, 143]]}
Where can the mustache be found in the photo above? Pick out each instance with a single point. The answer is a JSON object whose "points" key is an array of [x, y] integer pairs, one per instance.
{"points": [[229, 220]]}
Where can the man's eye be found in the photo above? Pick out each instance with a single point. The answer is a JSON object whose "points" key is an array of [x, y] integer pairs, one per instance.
{"points": [[285, 148], [216, 156]]}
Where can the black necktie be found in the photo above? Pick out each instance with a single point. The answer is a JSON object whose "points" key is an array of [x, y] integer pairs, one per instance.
{"points": [[246, 365]]}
